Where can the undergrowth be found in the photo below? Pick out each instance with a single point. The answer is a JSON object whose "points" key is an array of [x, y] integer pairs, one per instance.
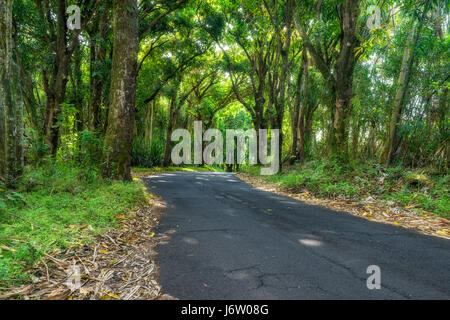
{"points": [[393, 185], [56, 207]]}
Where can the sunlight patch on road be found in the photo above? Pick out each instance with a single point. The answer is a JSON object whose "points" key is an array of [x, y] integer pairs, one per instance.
{"points": [[310, 242], [192, 241]]}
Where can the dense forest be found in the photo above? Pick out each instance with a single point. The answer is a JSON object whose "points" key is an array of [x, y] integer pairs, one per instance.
{"points": [[353, 81], [90, 89], [131, 72]]}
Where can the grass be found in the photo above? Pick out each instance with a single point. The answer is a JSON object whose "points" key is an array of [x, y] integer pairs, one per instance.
{"points": [[394, 185], [57, 207]]}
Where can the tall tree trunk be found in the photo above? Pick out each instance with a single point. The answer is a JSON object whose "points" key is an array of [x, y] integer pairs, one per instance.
{"points": [[295, 109], [344, 68], [19, 122], [301, 125], [278, 92], [305, 114], [11, 98], [309, 129], [55, 81], [329, 129], [338, 81], [11, 131], [32, 105], [106, 99], [293, 117], [97, 67], [119, 133], [444, 143], [5, 7], [78, 88], [148, 130], [2, 135], [259, 122]]}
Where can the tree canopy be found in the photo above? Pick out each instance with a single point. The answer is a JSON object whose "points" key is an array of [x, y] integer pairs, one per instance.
{"points": [[353, 81]]}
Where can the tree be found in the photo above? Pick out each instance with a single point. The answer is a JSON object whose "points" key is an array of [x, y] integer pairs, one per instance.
{"points": [[11, 107], [280, 68], [98, 45], [119, 133], [5, 6], [177, 101], [306, 109], [402, 83], [337, 68], [250, 34], [350, 91]]}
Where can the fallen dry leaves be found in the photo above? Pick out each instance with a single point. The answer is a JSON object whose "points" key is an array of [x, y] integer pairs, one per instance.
{"points": [[372, 210], [119, 265]]}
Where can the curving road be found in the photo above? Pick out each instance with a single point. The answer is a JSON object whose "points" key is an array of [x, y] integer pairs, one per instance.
{"points": [[231, 241]]}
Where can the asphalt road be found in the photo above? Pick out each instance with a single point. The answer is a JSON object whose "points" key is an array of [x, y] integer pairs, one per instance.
{"points": [[231, 241]]}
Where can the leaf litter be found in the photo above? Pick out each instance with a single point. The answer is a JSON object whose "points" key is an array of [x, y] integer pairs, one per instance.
{"points": [[370, 208], [119, 265]]}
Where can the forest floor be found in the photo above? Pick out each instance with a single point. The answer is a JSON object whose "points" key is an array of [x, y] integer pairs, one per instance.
{"points": [[413, 200], [76, 244]]}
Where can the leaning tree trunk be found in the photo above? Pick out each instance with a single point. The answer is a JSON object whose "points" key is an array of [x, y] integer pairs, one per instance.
{"points": [[391, 143], [309, 129], [119, 133], [301, 125]]}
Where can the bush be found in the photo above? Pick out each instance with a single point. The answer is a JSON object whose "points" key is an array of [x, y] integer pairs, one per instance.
{"points": [[145, 156], [89, 150]]}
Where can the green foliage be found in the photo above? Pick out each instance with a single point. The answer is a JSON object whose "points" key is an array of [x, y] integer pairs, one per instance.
{"points": [[89, 150], [56, 208], [36, 148], [147, 156]]}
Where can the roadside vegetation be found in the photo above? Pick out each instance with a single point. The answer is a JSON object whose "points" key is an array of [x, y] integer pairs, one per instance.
{"points": [[413, 189], [58, 206]]}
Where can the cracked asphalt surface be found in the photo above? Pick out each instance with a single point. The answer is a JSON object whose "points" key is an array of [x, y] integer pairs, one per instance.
{"points": [[231, 241]]}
